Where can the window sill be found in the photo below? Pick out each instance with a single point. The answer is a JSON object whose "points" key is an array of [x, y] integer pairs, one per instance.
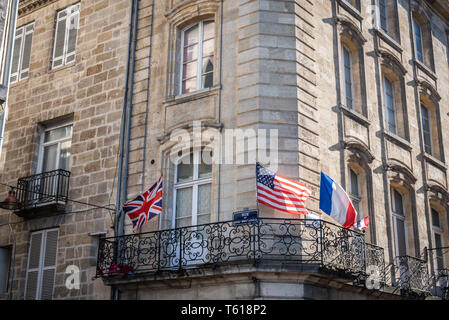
{"points": [[18, 83], [436, 162], [398, 140], [192, 96], [351, 9], [388, 39], [425, 69], [360, 118], [66, 66]]}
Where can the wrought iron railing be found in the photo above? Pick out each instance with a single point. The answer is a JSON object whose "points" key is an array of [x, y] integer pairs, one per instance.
{"points": [[440, 273], [409, 276], [45, 188], [287, 242]]}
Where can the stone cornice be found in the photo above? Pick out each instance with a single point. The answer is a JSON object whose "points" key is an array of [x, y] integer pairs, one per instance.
{"points": [[28, 6]]}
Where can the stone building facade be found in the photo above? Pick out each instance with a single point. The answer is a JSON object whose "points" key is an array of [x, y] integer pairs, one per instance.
{"points": [[357, 89], [65, 107]]}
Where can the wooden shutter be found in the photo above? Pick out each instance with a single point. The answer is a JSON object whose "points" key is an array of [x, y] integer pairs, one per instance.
{"points": [[49, 264], [41, 265], [34, 261], [26, 51], [16, 56], [73, 24], [60, 34]]}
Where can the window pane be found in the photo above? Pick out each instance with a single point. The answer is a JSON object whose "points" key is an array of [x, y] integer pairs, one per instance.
{"points": [[16, 55], [185, 170], [190, 69], [191, 53], [73, 31], [191, 36], [49, 160], [356, 205], [391, 108], [398, 204], [204, 200], [208, 80], [435, 218], [59, 133], [439, 251], [183, 206], [205, 169], [354, 183], [383, 15], [402, 248], [208, 30], [426, 129], [189, 85], [64, 157], [418, 40], [5, 256], [208, 64], [208, 47], [348, 77], [60, 39]]}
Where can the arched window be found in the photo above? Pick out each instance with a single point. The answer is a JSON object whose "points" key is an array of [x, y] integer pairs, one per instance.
{"points": [[197, 57], [192, 190]]}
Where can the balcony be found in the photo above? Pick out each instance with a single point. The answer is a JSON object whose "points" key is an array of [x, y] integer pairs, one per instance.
{"points": [[310, 246], [439, 280], [43, 194]]}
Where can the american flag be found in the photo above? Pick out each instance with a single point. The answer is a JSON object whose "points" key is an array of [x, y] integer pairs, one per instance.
{"points": [[362, 224], [145, 207], [281, 193]]}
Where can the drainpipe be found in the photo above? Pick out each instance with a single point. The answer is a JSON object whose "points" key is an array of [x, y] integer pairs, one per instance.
{"points": [[219, 110], [128, 135], [118, 212]]}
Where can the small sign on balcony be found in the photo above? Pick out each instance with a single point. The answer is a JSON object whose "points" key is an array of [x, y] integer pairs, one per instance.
{"points": [[245, 217]]}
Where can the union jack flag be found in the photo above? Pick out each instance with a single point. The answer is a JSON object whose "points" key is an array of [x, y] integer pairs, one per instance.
{"points": [[145, 207]]}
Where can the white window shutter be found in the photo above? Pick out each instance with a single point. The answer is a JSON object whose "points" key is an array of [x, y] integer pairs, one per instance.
{"points": [[16, 56], [60, 35], [49, 267], [34, 259]]}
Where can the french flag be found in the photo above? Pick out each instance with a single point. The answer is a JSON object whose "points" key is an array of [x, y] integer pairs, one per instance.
{"points": [[335, 202]]}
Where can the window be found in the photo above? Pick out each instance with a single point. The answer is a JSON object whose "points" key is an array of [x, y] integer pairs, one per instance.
{"points": [[5, 263], [399, 223], [355, 191], [192, 190], [197, 59], [418, 41], [67, 22], [383, 15], [348, 81], [390, 105], [437, 237], [55, 147], [41, 267], [427, 133], [20, 66]]}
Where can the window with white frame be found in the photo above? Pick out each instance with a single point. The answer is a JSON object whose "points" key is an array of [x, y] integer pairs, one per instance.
{"points": [[390, 105], [427, 131], [41, 267], [5, 263], [55, 145], [67, 24], [399, 219], [438, 239], [197, 58], [20, 65], [348, 78], [192, 190]]}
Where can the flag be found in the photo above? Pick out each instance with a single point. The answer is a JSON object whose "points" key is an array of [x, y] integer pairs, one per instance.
{"points": [[335, 202], [145, 207], [280, 193], [362, 224]]}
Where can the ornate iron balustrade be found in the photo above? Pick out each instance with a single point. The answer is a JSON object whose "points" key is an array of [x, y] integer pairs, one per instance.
{"points": [[440, 273], [48, 188], [409, 275], [286, 242]]}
